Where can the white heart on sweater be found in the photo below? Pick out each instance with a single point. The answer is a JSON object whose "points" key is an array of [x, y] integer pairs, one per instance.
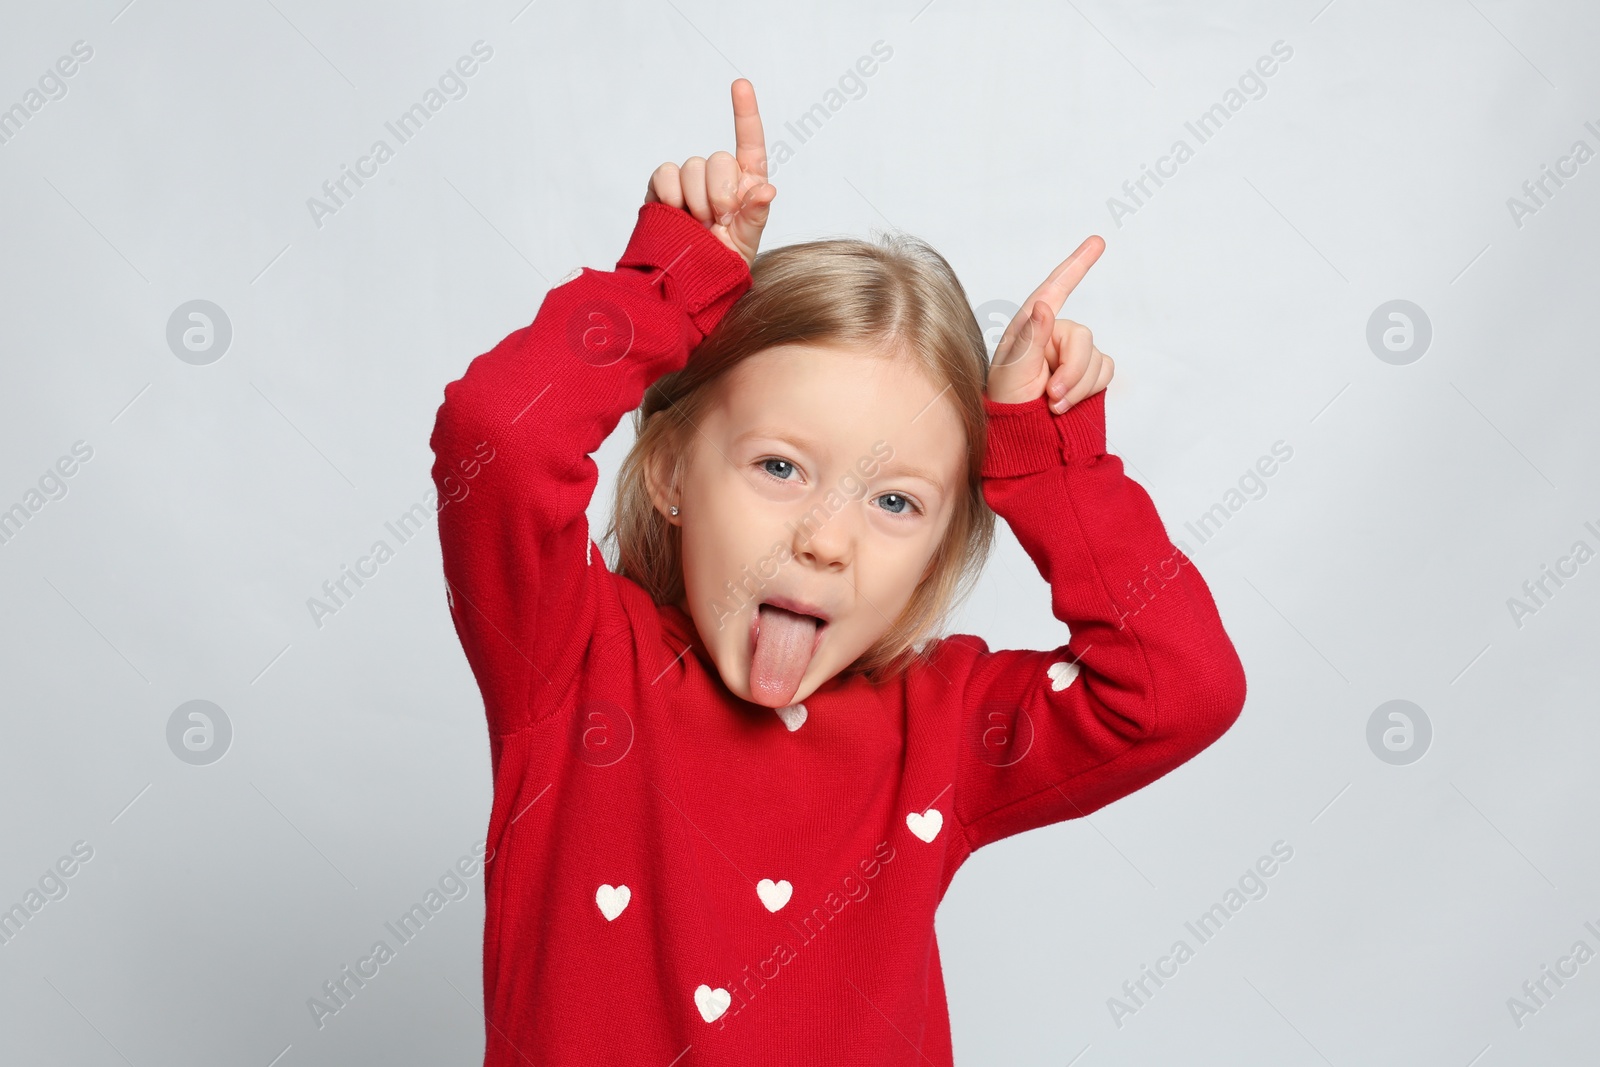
{"points": [[793, 716], [926, 826], [774, 894], [711, 1002], [1062, 674], [612, 900]]}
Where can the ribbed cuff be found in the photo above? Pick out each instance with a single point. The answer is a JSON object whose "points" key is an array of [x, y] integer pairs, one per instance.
{"points": [[1029, 437], [700, 270]]}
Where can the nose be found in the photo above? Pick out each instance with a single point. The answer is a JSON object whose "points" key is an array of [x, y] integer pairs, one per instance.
{"points": [[825, 539]]}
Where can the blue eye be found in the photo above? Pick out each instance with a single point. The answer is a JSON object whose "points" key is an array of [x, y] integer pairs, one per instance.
{"points": [[904, 500], [781, 469]]}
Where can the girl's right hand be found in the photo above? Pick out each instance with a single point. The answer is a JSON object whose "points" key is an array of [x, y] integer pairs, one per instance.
{"points": [[730, 194]]}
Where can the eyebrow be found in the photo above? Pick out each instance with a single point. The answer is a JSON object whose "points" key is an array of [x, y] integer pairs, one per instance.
{"points": [[806, 444]]}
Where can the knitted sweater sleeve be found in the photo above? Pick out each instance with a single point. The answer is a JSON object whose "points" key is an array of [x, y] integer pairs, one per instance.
{"points": [[526, 587], [1147, 678]]}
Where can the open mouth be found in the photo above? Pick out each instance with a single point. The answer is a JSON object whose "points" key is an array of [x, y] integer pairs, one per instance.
{"points": [[784, 639]]}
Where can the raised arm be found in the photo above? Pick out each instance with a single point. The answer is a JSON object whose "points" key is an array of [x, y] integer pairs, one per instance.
{"points": [[526, 586], [1148, 677]]}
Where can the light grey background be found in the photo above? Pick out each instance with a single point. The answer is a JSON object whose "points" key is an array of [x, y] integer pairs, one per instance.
{"points": [[1377, 564]]}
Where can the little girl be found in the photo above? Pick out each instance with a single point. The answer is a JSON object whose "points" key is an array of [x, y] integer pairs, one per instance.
{"points": [[735, 772]]}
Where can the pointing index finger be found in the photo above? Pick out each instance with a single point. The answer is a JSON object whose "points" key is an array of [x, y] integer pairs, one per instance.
{"points": [[749, 139], [1065, 278], [1055, 289]]}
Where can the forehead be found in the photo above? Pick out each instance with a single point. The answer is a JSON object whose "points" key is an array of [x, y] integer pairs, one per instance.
{"points": [[848, 398]]}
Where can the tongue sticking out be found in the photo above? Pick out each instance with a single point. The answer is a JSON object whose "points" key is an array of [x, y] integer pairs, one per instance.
{"points": [[784, 642]]}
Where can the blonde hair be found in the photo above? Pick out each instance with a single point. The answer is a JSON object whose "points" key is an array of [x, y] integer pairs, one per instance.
{"points": [[894, 294]]}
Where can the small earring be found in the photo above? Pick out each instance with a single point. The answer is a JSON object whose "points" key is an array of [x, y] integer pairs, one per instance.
{"points": [[674, 509]]}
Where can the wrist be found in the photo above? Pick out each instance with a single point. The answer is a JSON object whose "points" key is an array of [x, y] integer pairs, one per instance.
{"points": [[1027, 437], [695, 268]]}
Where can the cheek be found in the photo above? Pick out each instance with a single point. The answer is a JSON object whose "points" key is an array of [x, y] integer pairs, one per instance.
{"points": [[904, 577], [723, 535], [702, 553], [889, 576]]}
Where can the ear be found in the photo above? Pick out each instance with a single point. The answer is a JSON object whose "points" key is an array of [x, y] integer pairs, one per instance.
{"points": [[659, 483]]}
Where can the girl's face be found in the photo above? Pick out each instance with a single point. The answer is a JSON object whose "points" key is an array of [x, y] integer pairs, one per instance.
{"points": [[822, 478]]}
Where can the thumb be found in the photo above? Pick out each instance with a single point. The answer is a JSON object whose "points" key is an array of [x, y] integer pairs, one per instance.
{"points": [[747, 223], [1028, 342], [1014, 371]]}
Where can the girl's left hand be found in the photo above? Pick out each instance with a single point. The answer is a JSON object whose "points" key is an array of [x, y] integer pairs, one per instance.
{"points": [[1040, 355]]}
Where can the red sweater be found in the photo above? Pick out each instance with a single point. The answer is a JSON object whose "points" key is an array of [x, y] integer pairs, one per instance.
{"points": [[681, 877]]}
